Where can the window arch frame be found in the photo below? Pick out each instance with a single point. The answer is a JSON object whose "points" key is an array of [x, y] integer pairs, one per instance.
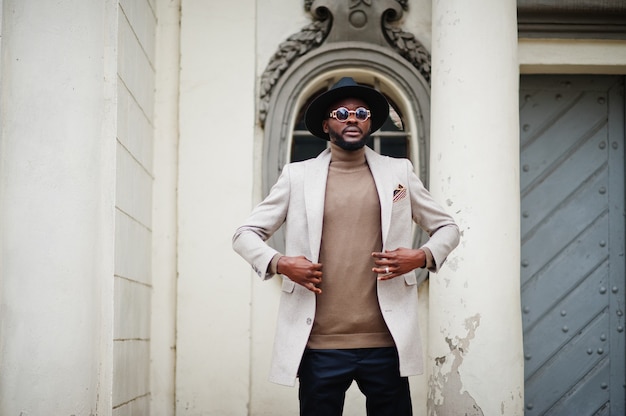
{"points": [[379, 137], [384, 68]]}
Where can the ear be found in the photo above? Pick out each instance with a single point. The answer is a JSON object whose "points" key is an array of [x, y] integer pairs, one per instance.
{"points": [[325, 126]]}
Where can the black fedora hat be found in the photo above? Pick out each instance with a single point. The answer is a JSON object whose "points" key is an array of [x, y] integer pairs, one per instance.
{"points": [[346, 87]]}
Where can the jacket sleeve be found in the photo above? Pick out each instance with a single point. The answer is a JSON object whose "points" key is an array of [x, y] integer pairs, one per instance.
{"points": [[433, 219], [249, 240]]}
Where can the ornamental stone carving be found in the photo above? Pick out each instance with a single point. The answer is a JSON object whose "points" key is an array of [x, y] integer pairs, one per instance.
{"points": [[368, 21]]}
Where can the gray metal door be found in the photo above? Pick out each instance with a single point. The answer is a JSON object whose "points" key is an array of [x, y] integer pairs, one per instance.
{"points": [[573, 263]]}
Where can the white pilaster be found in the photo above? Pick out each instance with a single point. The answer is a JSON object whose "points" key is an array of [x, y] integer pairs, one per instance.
{"points": [[217, 122], [57, 190], [475, 334]]}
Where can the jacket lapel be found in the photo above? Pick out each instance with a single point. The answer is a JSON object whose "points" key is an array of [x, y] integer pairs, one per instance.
{"points": [[384, 186], [315, 178]]}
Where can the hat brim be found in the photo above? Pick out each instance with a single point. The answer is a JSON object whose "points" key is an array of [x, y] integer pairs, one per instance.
{"points": [[317, 111]]}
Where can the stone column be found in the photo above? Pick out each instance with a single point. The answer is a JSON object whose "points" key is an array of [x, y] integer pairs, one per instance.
{"points": [[475, 333], [57, 198]]}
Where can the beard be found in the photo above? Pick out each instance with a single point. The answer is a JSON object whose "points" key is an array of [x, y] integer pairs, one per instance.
{"points": [[345, 145]]}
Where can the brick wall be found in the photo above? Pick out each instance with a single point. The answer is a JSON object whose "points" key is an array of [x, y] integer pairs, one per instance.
{"points": [[133, 228]]}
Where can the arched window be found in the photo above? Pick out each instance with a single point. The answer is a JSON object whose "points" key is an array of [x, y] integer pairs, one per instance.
{"points": [[391, 140], [286, 139]]}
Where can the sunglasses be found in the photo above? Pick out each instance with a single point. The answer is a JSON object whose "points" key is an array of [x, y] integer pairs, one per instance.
{"points": [[342, 114]]}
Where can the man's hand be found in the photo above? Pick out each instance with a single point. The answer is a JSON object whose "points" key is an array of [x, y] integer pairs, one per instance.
{"points": [[395, 263], [302, 271]]}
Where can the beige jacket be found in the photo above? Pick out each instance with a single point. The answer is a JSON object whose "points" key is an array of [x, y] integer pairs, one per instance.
{"points": [[297, 201]]}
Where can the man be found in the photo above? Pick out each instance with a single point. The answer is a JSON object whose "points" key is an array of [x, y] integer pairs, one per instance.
{"points": [[348, 309]]}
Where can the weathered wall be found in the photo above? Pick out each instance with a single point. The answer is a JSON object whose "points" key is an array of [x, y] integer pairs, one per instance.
{"points": [[475, 337]]}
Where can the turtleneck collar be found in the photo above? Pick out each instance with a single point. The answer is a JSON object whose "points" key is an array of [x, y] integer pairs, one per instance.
{"points": [[345, 157]]}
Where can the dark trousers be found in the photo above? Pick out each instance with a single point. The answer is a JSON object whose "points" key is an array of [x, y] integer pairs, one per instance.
{"points": [[325, 375]]}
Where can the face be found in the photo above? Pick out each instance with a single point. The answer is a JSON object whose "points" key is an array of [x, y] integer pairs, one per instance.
{"points": [[351, 134]]}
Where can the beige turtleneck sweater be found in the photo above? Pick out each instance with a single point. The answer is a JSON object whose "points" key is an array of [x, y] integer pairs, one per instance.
{"points": [[347, 312]]}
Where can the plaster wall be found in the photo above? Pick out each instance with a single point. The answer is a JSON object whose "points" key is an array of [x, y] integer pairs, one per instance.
{"points": [[57, 192], [76, 160], [217, 121], [567, 56], [266, 398]]}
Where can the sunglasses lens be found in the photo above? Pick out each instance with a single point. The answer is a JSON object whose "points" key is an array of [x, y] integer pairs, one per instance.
{"points": [[342, 113]]}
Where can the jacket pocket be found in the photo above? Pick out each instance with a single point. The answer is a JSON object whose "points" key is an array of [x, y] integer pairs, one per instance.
{"points": [[410, 279], [288, 285]]}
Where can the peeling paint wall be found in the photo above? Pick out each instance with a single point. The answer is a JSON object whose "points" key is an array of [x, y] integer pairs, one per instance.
{"points": [[451, 397], [475, 339]]}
